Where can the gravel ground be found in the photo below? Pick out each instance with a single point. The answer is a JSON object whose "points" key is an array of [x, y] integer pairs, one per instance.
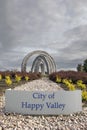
{"points": [[77, 121]]}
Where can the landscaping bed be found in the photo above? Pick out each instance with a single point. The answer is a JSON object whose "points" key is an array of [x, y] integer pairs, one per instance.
{"points": [[13, 121]]}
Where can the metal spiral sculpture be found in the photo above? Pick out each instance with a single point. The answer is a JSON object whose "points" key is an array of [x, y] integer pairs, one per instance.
{"points": [[43, 62]]}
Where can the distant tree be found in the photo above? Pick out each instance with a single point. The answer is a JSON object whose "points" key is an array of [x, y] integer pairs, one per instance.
{"points": [[85, 65], [80, 67]]}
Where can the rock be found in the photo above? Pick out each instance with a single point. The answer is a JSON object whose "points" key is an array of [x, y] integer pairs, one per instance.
{"points": [[15, 121]]}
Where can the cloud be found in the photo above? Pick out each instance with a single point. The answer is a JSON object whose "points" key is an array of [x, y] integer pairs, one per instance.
{"points": [[58, 27], [78, 41], [75, 52]]}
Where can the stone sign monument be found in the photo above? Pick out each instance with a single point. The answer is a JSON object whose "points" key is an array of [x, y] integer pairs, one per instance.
{"points": [[43, 103]]}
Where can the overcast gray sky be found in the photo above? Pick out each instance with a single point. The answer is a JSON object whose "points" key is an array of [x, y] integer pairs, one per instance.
{"points": [[58, 27]]}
